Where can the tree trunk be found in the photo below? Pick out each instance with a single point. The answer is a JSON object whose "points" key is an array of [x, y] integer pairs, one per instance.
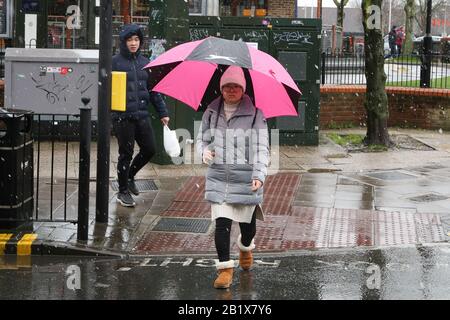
{"points": [[340, 4], [376, 102], [410, 10]]}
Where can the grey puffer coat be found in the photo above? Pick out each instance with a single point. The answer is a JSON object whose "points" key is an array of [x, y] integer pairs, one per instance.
{"points": [[241, 154]]}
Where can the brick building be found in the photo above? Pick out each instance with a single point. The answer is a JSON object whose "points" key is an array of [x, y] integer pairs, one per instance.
{"points": [[273, 8], [73, 24]]}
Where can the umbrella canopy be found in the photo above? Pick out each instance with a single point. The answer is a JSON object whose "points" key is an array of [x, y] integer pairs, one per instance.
{"points": [[191, 73]]}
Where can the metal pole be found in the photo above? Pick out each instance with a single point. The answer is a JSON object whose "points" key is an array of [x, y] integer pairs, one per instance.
{"points": [[445, 20], [84, 171], [425, 71], [323, 67], [390, 15], [104, 106], [319, 9]]}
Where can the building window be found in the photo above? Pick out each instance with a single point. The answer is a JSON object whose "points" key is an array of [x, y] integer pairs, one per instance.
{"points": [[197, 7], [66, 24], [245, 8], [140, 8]]}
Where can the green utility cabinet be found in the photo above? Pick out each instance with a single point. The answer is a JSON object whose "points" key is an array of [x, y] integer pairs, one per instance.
{"points": [[295, 43]]}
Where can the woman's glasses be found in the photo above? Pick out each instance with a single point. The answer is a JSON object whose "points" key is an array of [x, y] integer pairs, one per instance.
{"points": [[231, 87]]}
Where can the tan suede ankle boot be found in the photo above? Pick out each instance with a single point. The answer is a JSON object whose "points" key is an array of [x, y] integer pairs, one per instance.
{"points": [[245, 254], [225, 277]]}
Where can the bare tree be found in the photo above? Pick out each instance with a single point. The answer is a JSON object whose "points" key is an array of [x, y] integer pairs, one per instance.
{"points": [[410, 12], [376, 103], [397, 13], [421, 14], [340, 4]]}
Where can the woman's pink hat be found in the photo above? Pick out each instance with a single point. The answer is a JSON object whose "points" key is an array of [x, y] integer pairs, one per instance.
{"points": [[235, 75]]}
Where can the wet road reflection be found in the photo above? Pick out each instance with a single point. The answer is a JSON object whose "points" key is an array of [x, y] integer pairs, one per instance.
{"points": [[389, 273]]}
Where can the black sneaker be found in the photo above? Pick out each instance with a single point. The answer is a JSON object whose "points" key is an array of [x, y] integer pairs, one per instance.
{"points": [[125, 199], [132, 187]]}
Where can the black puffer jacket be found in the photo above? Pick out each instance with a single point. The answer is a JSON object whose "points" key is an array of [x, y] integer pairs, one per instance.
{"points": [[138, 95]]}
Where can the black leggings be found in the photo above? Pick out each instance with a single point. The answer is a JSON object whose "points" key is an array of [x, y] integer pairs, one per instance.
{"points": [[222, 236]]}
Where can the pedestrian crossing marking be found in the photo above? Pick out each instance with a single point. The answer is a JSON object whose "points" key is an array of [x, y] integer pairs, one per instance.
{"points": [[24, 245], [4, 238]]}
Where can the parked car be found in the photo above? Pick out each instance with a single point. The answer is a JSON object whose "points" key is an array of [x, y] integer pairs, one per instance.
{"points": [[435, 48]]}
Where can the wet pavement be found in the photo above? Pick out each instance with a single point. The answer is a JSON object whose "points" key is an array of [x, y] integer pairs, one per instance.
{"points": [[320, 197], [338, 225], [409, 272]]}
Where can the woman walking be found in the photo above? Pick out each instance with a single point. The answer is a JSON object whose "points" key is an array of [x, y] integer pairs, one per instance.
{"points": [[233, 141]]}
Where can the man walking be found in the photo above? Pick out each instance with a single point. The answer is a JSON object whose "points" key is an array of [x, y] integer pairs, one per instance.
{"points": [[392, 41], [134, 124]]}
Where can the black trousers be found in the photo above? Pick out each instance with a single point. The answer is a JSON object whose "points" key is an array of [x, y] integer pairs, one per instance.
{"points": [[222, 236], [127, 132]]}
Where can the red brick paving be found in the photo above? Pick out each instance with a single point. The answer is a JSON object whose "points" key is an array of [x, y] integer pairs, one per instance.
{"points": [[292, 228]]}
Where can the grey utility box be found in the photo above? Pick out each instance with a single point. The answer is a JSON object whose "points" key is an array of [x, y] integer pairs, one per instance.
{"points": [[51, 81]]}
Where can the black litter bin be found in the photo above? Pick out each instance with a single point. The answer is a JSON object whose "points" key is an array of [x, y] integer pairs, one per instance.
{"points": [[16, 169]]}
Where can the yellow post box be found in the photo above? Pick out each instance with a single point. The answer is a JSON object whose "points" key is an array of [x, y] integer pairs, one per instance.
{"points": [[119, 91]]}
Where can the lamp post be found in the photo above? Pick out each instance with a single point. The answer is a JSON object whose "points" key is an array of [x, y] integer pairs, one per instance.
{"points": [[425, 70], [104, 106], [445, 20], [390, 15]]}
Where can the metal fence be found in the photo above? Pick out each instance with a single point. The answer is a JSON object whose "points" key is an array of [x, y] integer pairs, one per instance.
{"points": [[53, 147], [55, 138], [403, 70]]}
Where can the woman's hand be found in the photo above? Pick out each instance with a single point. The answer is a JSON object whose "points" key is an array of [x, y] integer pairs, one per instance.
{"points": [[208, 156], [165, 121], [256, 185]]}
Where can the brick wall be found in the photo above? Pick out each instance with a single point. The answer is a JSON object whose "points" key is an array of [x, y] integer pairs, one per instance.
{"points": [[408, 107], [281, 8]]}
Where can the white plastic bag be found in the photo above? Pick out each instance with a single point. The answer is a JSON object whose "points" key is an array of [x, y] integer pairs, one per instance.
{"points": [[171, 144]]}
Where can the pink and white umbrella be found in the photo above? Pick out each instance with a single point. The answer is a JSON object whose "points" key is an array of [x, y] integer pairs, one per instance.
{"points": [[191, 73]]}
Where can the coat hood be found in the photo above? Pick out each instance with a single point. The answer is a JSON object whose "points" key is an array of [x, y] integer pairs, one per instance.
{"points": [[129, 30]]}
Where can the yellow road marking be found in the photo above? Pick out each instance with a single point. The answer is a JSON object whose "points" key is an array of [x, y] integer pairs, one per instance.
{"points": [[4, 238], [24, 245]]}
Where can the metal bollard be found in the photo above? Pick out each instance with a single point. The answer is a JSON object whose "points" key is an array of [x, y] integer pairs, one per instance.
{"points": [[84, 170], [323, 67]]}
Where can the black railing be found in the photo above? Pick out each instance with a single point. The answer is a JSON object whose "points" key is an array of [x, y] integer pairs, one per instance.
{"points": [[403, 70], [54, 148]]}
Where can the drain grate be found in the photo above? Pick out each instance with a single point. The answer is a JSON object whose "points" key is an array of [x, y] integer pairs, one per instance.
{"points": [[182, 225], [142, 185], [390, 175], [429, 197]]}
